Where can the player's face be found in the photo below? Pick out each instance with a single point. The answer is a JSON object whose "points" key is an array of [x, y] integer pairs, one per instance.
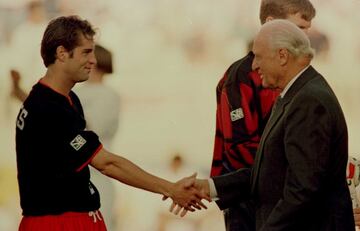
{"points": [[299, 21], [82, 60], [266, 63]]}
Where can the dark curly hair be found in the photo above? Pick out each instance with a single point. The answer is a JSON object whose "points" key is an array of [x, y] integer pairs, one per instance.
{"points": [[63, 31]]}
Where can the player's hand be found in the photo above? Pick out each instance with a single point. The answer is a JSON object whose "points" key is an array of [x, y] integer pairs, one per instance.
{"points": [[202, 191]]}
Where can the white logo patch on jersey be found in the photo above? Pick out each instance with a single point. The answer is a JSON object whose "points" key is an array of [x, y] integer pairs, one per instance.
{"points": [[92, 190], [78, 142], [236, 114]]}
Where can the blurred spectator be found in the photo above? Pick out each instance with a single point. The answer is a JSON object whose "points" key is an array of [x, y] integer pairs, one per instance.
{"points": [[204, 220], [320, 42], [166, 220], [97, 98], [25, 44], [196, 46], [17, 91]]}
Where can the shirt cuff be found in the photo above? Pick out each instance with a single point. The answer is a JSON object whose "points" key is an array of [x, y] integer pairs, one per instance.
{"points": [[213, 192]]}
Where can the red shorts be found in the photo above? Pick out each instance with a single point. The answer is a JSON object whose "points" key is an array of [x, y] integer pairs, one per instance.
{"points": [[70, 221]]}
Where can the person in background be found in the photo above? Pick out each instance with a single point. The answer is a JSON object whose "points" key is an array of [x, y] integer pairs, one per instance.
{"points": [[96, 98], [25, 42]]}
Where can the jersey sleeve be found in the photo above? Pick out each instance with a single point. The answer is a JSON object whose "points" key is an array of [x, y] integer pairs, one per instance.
{"points": [[81, 147], [237, 134], [217, 166], [243, 107], [71, 146]]}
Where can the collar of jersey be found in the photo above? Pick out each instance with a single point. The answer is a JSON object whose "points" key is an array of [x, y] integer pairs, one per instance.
{"points": [[57, 92]]}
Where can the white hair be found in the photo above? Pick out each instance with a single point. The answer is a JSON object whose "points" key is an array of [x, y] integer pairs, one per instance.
{"points": [[284, 34]]}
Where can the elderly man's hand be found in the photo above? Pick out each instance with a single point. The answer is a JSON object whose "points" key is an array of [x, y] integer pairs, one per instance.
{"points": [[202, 191], [187, 195]]}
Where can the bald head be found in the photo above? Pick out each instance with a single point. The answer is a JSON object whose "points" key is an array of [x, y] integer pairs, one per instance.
{"points": [[281, 51], [281, 33]]}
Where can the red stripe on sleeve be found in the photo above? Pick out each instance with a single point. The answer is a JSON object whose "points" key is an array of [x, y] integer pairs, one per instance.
{"points": [[89, 160], [351, 171]]}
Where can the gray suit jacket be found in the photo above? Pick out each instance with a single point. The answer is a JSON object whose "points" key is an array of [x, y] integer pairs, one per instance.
{"points": [[298, 180]]}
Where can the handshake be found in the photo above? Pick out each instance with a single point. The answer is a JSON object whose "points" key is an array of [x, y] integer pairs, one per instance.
{"points": [[187, 195]]}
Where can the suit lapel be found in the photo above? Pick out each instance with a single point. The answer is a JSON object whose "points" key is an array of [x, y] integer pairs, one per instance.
{"points": [[306, 76], [274, 118]]}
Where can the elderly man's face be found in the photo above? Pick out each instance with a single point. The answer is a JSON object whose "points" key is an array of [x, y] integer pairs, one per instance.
{"points": [[266, 63]]}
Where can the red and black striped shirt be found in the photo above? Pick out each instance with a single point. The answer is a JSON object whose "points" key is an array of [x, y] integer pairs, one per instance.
{"points": [[243, 108]]}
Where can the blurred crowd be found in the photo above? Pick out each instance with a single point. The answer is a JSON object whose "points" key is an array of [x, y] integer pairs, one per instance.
{"points": [[168, 57]]}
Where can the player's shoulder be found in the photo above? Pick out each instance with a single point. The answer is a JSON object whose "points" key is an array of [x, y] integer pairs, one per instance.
{"points": [[35, 98], [240, 69], [42, 100], [243, 64]]}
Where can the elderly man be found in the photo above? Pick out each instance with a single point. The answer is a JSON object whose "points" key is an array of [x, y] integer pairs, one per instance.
{"points": [[244, 107], [298, 181]]}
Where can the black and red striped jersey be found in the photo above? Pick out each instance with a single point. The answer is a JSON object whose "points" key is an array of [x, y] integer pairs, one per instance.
{"points": [[53, 150], [243, 108]]}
